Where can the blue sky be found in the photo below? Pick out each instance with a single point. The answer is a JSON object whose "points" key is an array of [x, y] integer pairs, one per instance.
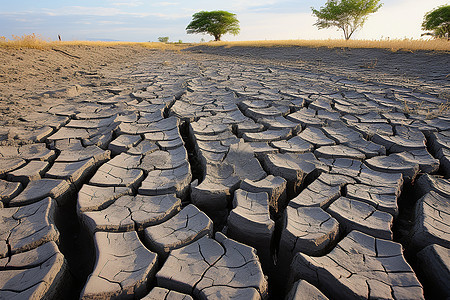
{"points": [[139, 20]]}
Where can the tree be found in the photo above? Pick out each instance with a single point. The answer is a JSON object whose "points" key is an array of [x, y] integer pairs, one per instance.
{"points": [[347, 15], [215, 23], [163, 39], [438, 20]]}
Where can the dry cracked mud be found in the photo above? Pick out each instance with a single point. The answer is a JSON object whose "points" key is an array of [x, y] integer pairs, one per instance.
{"points": [[215, 173]]}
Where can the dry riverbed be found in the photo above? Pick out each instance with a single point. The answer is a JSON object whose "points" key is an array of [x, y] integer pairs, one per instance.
{"points": [[240, 172]]}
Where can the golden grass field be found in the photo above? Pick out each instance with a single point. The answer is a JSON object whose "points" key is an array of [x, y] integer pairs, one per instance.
{"points": [[37, 42]]}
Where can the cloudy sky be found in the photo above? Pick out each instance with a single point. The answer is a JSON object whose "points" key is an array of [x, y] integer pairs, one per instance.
{"points": [[141, 20]]}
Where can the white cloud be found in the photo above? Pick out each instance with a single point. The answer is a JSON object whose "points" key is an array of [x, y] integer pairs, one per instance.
{"points": [[130, 3], [164, 4]]}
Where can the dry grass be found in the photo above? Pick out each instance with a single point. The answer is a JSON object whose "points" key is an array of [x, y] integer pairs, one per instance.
{"points": [[37, 42], [393, 45], [34, 41]]}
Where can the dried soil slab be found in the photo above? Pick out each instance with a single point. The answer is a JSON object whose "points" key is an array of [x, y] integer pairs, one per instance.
{"points": [[73, 154], [249, 222], [306, 117], [37, 151], [171, 144], [360, 267], [404, 140], [167, 135], [435, 264], [394, 163], [357, 215], [293, 145], [51, 120], [222, 178], [189, 225], [143, 148], [309, 230], [343, 166], [34, 170], [279, 123], [302, 290], [172, 181], [43, 188], [369, 149], [380, 197], [261, 148], [432, 221], [98, 112], [123, 267], [130, 213], [36, 274], [338, 151], [214, 269], [263, 112], [124, 142], [137, 129], [101, 137], [438, 141], [91, 123], [444, 158], [274, 186], [26, 135], [74, 172], [427, 183], [27, 227], [158, 293], [9, 190], [292, 167], [374, 178], [93, 198], [316, 137], [368, 130], [10, 164], [247, 126], [108, 175], [322, 192], [211, 146], [342, 134], [207, 128], [427, 163], [164, 160], [267, 136]]}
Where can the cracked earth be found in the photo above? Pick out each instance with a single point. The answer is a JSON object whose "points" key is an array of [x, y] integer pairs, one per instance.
{"points": [[224, 173]]}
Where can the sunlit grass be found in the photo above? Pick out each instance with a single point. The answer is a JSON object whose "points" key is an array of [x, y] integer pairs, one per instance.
{"points": [[393, 45], [33, 41], [37, 42]]}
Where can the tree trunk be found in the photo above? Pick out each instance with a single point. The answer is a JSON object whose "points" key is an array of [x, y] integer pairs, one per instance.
{"points": [[217, 38]]}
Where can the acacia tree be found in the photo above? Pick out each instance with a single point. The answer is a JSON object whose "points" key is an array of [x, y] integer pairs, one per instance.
{"points": [[347, 15], [438, 20], [215, 23]]}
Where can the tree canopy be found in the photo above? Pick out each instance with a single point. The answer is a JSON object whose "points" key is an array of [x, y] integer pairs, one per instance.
{"points": [[215, 23], [347, 15], [438, 20]]}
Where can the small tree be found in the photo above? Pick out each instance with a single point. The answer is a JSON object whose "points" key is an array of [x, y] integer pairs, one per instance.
{"points": [[438, 20], [347, 15], [215, 23], [163, 39]]}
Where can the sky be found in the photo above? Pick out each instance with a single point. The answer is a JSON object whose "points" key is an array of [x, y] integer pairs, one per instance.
{"points": [[142, 21]]}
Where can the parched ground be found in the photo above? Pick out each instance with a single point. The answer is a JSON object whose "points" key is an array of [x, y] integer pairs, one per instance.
{"points": [[217, 173]]}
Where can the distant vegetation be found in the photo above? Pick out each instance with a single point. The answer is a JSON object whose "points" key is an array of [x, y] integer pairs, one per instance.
{"points": [[163, 39], [215, 23], [438, 21], [347, 15]]}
